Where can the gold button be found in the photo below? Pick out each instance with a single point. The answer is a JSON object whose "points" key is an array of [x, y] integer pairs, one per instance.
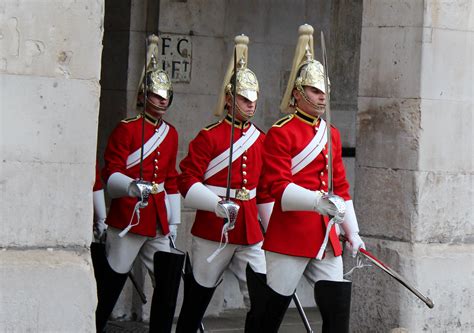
{"points": [[327, 156], [324, 183], [322, 173], [158, 153], [156, 167], [155, 175], [245, 158], [245, 181], [244, 173], [243, 188], [156, 161], [153, 183], [244, 165], [327, 167]]}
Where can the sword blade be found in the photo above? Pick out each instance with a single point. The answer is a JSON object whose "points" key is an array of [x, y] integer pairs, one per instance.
{"points": [[328, 113], [231, 148], [396, 276]]}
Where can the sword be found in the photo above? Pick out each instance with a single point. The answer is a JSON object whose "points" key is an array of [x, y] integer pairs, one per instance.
{"points": [[231, 149], [145, 95], [396, 276], [328, 113]]}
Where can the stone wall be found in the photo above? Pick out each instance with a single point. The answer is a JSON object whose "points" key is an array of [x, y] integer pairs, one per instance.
{"points": [[414, 184], [49, 76]]}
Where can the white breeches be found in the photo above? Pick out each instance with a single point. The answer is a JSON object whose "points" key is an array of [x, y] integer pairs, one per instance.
{"points": [[284, 272], [235, 257], [122, 252]]}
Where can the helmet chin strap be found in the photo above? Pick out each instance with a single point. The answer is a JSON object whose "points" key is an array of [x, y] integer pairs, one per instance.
{"points": [[156, 106], [307, 100], [245, 116]]}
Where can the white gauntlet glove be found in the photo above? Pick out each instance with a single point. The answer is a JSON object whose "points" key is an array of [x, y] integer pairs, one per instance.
{"points": [[297, 198], [100, 213], [351, 230], [173, 231]]}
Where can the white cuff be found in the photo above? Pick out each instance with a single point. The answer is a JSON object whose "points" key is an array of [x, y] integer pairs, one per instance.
{"points": [[264, 212], [297, 198], [100, 211], [175, 208], [200, 197], [118, 185], [350, 225]]}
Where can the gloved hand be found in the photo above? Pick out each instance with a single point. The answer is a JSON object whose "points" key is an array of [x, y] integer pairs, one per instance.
{"points": [[221, 210], [173, 231], [354, 243], [99, 229], [331, 205], [140, 189], [351, 230]]}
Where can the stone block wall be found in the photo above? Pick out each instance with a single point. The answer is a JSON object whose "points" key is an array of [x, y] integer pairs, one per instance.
{"points": [[49, 76]]}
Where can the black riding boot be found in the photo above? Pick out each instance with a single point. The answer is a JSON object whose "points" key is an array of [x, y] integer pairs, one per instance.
{"points": [[267, 306], [334, 302], [109, 286], [195, 302], [168, 268]]}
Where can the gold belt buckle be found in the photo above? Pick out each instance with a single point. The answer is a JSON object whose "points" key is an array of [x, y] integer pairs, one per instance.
{"points": [[242, 194], [154, 189]]}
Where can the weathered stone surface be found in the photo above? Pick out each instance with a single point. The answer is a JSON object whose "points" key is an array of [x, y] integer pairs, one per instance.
{"points": [[389, 62], [382, 212], [47, 291], [388, 132], [33, 45], [446, 14], [445, 74], [392, 13], [56, 122], [65, 188], [381, 304], [265, 21], [445, 208], [203, 18], [446, 142]]}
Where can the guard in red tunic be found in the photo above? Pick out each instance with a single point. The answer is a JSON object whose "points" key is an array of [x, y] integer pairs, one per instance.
{"points": [[300, 239], [203, 184], [145, 208]]}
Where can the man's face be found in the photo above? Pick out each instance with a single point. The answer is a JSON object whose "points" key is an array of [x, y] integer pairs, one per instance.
{"points": [[315, 105], [245, 108], [156, 105]]}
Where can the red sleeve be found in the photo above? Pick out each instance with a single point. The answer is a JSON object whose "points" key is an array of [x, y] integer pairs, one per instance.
{"points": [[98, 182], [194, 165], [116, 152], [171, 180], [340, 183], [276, 173]]}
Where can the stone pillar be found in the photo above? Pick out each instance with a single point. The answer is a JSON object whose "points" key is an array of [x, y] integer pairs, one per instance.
{"points": [[49, 84], [414, 167]]}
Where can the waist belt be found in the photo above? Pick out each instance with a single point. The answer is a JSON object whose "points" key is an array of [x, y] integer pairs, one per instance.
{"points": [[157, 188], [239, 194]]}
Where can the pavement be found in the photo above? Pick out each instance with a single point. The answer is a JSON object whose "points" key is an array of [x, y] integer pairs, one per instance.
{"points": [[231, 321]]}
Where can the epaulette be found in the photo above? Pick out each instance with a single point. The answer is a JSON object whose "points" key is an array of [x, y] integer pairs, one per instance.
{"points": [[208, 127], [128, 120], [283, 121]]}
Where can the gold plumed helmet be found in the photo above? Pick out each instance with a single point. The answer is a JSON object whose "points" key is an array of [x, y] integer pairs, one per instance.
{"points": [[246, 80], [305, 71], [157, 80]]}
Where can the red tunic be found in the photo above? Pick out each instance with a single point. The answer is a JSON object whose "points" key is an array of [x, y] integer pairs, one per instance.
{"points": [[98, 182], [299, 233], [209, 143], [158, 167]]}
